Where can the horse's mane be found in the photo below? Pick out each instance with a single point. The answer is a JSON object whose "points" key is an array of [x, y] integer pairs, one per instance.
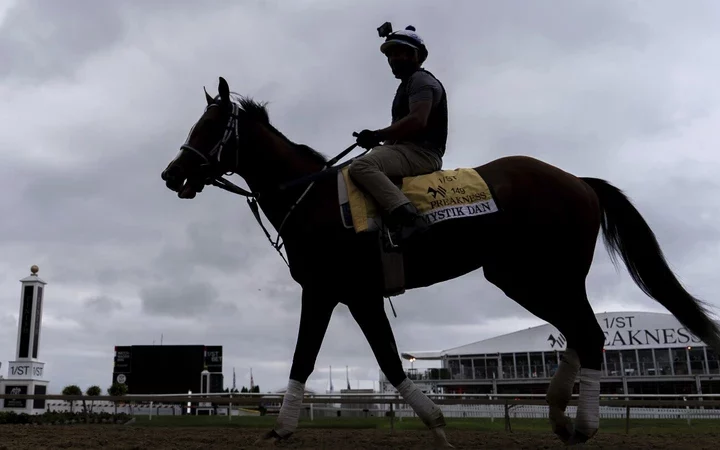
{"points": [[257, 111]]}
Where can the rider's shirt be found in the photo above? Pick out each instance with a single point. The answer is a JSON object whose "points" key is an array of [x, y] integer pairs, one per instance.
{"points": [[422, 85]]}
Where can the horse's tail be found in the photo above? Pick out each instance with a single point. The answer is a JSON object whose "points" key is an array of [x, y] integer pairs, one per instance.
{"points": [[626, 233]]}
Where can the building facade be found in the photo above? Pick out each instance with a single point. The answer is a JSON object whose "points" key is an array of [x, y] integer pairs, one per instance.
{"points": [[644, 353]]}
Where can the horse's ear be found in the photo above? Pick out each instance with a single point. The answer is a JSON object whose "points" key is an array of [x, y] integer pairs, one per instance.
{"points": [[224, 90], [209, 99]]}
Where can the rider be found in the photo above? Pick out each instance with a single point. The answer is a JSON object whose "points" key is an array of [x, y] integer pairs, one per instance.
{"points": [[414, 144]]}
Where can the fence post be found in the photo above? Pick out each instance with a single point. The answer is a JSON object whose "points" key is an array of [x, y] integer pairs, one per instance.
{"points": [[150, 411], [627, 419], [508, 427], [392, 417]]}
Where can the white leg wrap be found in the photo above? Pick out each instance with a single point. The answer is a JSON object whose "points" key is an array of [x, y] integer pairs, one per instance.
{"points": [[588, 413], [560, 390], [426, 409], [289, 415]]}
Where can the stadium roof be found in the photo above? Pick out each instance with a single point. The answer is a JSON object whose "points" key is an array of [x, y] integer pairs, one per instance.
{"points": [[624, 330]]}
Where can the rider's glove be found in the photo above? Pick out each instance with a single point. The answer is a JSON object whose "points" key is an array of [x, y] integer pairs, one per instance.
{"points": [[367, 139]]}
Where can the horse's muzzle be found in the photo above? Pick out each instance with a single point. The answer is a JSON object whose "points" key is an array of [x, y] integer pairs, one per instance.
{"points": [[185, 187], [172, 180]]}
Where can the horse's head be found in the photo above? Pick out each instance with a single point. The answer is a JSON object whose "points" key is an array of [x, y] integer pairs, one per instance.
{"points": [[211, 148], [234, 135]]}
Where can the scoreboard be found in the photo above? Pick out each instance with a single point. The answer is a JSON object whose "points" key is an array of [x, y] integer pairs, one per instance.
{"points": [[167, 369]]}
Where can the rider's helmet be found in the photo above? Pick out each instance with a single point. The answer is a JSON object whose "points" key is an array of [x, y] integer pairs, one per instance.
{"points": [[407, 37]]}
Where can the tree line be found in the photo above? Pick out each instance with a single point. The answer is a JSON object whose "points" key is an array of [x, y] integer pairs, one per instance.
{"points": [[116, 390]]}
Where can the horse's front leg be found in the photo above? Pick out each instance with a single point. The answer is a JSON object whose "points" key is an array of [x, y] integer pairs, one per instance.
{"points": [[315, 314], [370, 315]]}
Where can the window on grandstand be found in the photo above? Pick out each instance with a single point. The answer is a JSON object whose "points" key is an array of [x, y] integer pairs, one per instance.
{"points": [[613, 368], [646, 365], [662, 360], [508, 366], [679, 361], [479, 368], [466, 372], [697, 360], [551, 363], [491, 366], [536, 367], [713, 363], [629, 363], [454, 366], [521, 365]]}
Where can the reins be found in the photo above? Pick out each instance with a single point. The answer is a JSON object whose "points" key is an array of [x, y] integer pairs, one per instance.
{"points": [[231, 131], [252, 197]]}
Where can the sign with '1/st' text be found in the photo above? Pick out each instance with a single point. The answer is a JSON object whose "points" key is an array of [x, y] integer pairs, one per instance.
{"points": [[26, 370]]}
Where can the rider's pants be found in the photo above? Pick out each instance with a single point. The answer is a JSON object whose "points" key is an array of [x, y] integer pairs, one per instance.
{"points": [[403, 159]]}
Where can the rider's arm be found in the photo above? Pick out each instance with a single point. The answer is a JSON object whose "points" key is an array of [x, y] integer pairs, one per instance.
{"points": [[408, 125], [424, 92]]}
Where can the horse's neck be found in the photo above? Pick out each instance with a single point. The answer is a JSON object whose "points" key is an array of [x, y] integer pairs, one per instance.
{"points": [[278, 162]]}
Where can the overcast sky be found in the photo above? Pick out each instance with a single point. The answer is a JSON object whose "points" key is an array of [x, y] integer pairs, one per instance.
{"points": [[96, 97]]}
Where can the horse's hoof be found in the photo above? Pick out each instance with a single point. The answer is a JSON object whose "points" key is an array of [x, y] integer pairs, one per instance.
{"points": [[578, 437], [440, 438], [564, 430], [442, 443], [269, 439]]}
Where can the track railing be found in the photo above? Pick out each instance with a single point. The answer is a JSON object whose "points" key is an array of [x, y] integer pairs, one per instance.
{"points": [[508, 401]]}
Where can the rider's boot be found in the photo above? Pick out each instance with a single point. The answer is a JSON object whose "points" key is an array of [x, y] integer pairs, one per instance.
{"points": [[406, 223]]}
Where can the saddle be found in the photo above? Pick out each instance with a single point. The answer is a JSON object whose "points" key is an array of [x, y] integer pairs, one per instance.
{"points": [[439, 196]]}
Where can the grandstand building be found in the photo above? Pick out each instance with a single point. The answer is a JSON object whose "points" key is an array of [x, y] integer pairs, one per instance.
{"points": [[644, 353]]}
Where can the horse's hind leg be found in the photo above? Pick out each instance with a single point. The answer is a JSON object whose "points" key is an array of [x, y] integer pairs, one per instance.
{"points": [[563, 304], [581, 360]]}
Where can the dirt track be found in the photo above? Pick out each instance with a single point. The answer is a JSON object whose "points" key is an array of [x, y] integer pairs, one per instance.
{"points": [[14, 437]]}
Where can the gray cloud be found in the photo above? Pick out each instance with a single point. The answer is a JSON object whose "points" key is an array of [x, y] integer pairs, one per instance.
{"points": [[97, 100], [43, 40], [188, 300], [103, 304]]}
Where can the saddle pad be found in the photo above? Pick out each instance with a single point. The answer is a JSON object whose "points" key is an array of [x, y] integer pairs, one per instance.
{"points": [[438, 196]]}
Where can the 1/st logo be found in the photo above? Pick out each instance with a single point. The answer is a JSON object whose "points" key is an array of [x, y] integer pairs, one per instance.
{"points": [[20, 371]]}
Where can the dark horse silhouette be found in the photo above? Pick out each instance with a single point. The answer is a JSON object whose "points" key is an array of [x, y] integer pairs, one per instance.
{"points": [[537, 249]]}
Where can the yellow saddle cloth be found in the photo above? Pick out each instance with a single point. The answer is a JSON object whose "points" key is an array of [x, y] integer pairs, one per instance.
{"points": [[438, 196]]}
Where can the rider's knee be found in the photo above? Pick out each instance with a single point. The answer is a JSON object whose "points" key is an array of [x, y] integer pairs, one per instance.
{"points": [[360, 165]]}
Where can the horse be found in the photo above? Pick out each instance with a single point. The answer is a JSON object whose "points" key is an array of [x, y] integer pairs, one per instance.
{"points": [[537, 248]]}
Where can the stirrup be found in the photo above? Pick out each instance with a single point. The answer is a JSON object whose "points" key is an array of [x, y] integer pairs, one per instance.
{"points": [[390, 244]]}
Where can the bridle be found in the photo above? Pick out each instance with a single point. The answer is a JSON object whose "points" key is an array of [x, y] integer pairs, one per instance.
{"points": [[232, 132]]}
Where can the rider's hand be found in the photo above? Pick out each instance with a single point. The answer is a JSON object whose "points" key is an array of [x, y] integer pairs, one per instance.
{"points": [[367, 139]]}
